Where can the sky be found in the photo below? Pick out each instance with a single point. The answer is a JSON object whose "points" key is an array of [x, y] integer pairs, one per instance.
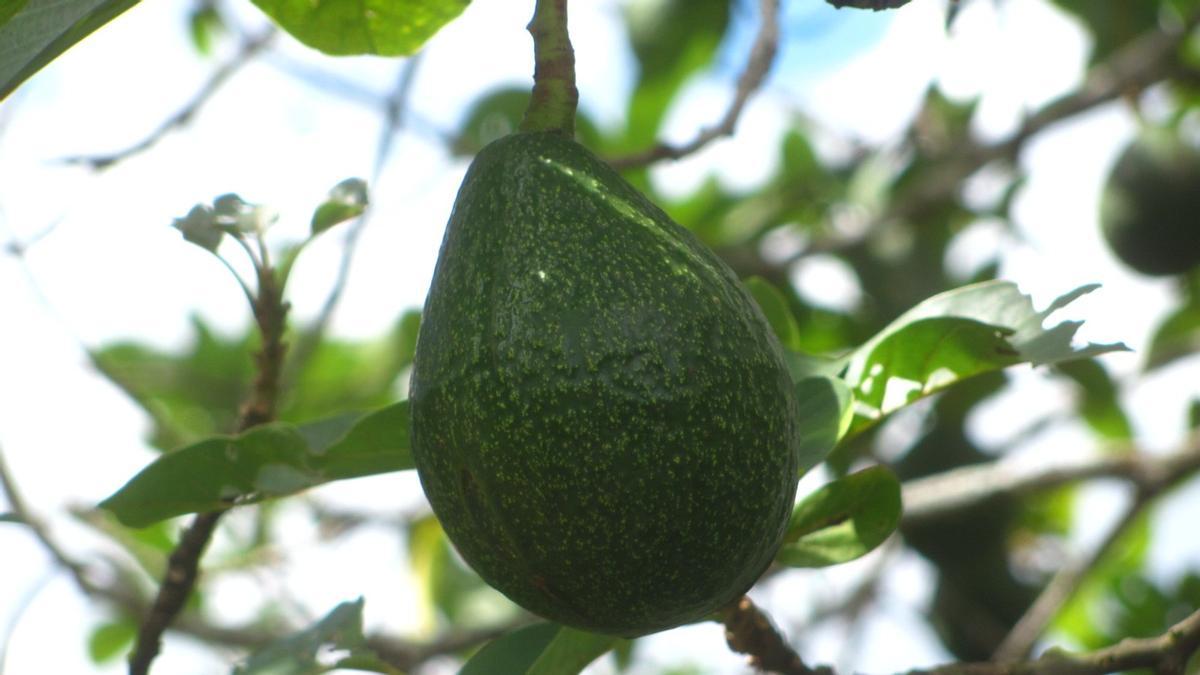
{"points": [[109, 266]]}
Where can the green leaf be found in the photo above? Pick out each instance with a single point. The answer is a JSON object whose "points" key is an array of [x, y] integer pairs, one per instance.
{"points": [[954, 335], [539, 649], [338, 634], [570, 652], [34, 32], [348, 27], [826, 409], [11, 518], [1099, 401], [348, 199], [1178, 335], [109, 640], [843, 520], [272, 460], [512, 653], [445, 585], [774, 306]]}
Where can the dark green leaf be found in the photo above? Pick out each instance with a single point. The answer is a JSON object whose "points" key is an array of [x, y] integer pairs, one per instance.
{"points": [[843, 520], [11, 518], [34, 32], [346, 27], [570, 652], [774, 306], [512, 653], [825, 413], [9, 9], [540, 649], [272, 460], [109, 640], [348, 199], [338, 632]]}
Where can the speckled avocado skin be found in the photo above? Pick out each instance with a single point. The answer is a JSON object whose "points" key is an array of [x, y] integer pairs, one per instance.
{"points": [[601, 417]]}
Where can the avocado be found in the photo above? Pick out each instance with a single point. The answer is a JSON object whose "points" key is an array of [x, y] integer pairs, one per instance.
{"points": [[1150, 213], [601, 417]]}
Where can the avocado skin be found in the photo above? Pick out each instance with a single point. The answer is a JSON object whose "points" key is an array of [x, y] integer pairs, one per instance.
{"points": [[1150, 214], [601, 417]]}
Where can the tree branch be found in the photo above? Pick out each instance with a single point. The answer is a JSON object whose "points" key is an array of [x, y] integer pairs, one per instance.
{"points": [[953, 490], [270, 313], [874, 5], [1167, 654], [1024, 635], [762, 55], [748, 630], [555, 97], [250, 48]]}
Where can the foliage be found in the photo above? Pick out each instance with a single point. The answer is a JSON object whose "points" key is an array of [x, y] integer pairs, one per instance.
{"points": [[917, 357]]}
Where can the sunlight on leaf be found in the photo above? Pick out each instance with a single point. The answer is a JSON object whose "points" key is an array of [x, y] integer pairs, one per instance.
{"points": [[347, 27], [826, 409]]}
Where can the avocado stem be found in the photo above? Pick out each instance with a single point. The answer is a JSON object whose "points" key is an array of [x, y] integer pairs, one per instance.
{"points": [[552, 106]]}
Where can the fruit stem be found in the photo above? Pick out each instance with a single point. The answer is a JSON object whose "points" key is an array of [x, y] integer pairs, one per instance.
{"points": [[552, 107]]}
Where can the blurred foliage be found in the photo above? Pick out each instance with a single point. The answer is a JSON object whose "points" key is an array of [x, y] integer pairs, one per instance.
{"points": [[892, 217]]}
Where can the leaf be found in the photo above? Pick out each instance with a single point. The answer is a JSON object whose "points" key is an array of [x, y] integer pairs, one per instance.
{"points": [[336, 641], [200, 228], [826, 409], [34, 32], [348, 199], [272, 460], [513, 653], [843, 520], [11, 518], [774, 306], [570, 652], [540, 649], [348, 27], [1099, 402], [109, 640], [954, 335]]}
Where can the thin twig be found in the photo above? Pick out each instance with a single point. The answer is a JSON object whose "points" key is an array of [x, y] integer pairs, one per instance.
{"points": [[1167, 654], [251, 46], [748, 630], [762, 55], [270, 314], [21, 510], [960, 488], [396, 110], [1024, 635]]}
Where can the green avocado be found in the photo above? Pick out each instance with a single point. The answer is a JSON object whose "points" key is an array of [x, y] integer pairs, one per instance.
{"points": [[1150, 214], [601, 417]]}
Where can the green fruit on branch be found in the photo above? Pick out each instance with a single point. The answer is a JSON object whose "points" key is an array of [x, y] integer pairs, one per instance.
{"points": [[601, 416], [1151, 210]]}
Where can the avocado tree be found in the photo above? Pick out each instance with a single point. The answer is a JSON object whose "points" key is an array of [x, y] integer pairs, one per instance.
{"points": [[616, 384]]}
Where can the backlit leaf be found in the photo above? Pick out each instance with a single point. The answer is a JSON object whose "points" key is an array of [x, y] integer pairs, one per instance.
{"points": [[336, 641], [346, 27]]}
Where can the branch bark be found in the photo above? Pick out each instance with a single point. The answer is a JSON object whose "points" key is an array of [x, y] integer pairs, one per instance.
{"points": [[748, 630], [270, 314]]}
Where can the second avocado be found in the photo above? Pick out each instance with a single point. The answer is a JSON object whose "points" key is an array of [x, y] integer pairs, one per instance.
{"points": [[601, 417]]}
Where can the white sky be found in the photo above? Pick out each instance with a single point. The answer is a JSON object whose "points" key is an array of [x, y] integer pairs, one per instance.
{"points": [[112, 268]]}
